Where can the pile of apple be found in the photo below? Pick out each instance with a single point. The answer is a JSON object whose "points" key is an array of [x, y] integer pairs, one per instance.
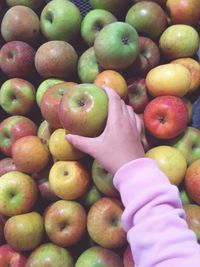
{"points": [[58, 206]]}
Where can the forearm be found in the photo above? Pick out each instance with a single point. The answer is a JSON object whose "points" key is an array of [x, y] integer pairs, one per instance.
{"points": [[153, 218]]}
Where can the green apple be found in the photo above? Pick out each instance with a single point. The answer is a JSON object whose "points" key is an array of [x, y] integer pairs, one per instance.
{"points": [[50, 255], [44, 85], [33, 4], [88, 68], [179, 41], [18, 193], [98, 256], [193, 218], [91, 196], [60, 20], [24, 232], [17, 96], [83, 109], [116, 45], [185, 199], [93, 22], [103, 180]]}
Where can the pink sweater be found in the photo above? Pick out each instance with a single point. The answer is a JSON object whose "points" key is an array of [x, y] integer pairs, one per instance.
{"points": [[154, 218]]}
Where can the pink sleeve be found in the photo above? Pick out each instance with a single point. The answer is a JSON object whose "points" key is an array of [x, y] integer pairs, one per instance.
{"points": [[154, 219]]}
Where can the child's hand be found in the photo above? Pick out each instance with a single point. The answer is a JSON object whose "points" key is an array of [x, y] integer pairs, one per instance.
{"points": [[120, 142]]}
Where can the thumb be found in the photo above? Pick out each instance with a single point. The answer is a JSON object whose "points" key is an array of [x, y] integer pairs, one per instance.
{"points": [[80, 142]]}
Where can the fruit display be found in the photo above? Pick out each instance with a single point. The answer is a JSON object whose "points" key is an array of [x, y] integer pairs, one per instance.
{"points": [[58, 205]]}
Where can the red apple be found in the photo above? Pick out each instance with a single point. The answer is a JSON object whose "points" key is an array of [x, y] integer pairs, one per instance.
{"points": [[13, 128], [7, 165], [166, 117], [17, 59], [128, 257], [10, 257]]}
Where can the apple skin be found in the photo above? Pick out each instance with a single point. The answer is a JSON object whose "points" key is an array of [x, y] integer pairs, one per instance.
{"points": [[128, 257], [184, 12], [51, 100], [159, 2], [188, 143], [193, 218], [179, 41], [12, 128], [18, 193], [17, 59], [97, 255], [143, 16], [103, 180], [7, 165], [88, 101], [104, 223], [48, 254], [20, 23], [10, 257], [93, 22], [88, 68], [62, 223], [56, 59], [185, 199], [44, 132], [60, 20], [17, 96], [33, 4], [91, 196], [116, 46], [166, 117], [24, 232], [137, 94]]}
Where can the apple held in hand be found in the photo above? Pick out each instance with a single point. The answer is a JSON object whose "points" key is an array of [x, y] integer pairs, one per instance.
{"points": [[193, 218], [17, 96], [97, 255], [83, 110], [166, 117], [10, 257], [116, 46], [18, 193], [13, 128]]}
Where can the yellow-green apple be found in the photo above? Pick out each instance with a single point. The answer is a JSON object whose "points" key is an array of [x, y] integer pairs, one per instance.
{"points": [[30, 155], [87, 67], [93, 22], [188, 143], [48, 254], [12, 128], [68, 180], [128, 260], [137, 94], [148, 58], [99, 256], [160, 2], [50, 102], [20, 23], [184, 11], [56, 59], [103, 180], [192, 181], [143, 16], [11, 257], [168, 79], [104, 223], [44, 132], [91, 196], [194, 67], [43, 86], [166, 117], [33, 4], [18, 193], [193, 218], [7, 165], [179, 41], [24, 232], [116, 7], [185, 199], [83, 109], [17, 59], [17, 96], [116, 46], [60, 20], [171, 161], [65, 222]]}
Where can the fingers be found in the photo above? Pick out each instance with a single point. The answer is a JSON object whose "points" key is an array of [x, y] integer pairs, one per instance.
{"points": [[85, 144]]}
